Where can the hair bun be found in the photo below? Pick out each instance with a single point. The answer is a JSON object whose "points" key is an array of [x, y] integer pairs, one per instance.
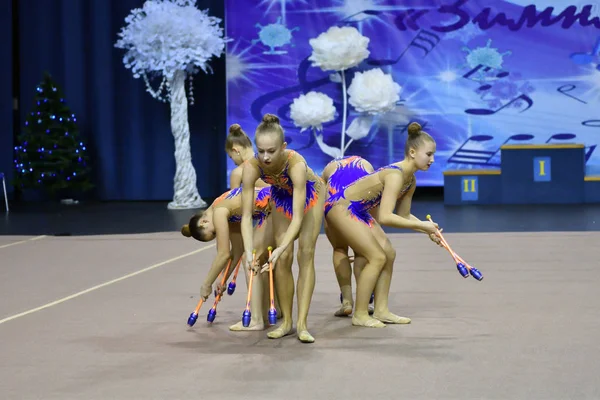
{"points": [[414, 128], [235, 129], [270, 119], [185, 231]]}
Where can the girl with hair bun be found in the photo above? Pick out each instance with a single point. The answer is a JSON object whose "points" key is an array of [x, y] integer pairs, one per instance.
{"points": [[221, 221], [348, 217], [298, 195], [239, 149]]}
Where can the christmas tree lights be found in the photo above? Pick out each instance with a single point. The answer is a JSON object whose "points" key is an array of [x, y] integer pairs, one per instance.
{"points": [[50, 155]]}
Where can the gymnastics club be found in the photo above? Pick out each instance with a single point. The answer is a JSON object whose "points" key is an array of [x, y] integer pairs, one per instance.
{"points": [[232, 285], [194, 315], [247, 315], [463, 268], [212, 313], [272, 310], [221, 275]]}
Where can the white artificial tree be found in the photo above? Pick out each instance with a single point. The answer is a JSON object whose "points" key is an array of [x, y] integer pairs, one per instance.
{"points": [[371, 93], [174, 40]]}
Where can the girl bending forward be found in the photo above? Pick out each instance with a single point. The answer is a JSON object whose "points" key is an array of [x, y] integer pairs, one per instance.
{"points": [[298, 196], [348, 215]]}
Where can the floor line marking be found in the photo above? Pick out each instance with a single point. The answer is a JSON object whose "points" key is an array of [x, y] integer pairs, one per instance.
{"points": [[141, 271], [23, 241]]}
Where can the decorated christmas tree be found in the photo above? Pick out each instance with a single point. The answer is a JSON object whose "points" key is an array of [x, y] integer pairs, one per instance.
{"points": [[50, 155]]}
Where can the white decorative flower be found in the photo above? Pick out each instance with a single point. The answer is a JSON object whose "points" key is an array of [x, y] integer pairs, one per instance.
{"points": [[339, 49], [311, 110], [169, 35], [373, 92]]}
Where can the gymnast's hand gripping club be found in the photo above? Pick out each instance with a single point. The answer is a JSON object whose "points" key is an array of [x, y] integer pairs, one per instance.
{"points": [[194, 315], [463, 268], [212, 313]]}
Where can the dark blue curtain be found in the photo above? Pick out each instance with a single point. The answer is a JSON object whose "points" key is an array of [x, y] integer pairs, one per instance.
{"points": [[128, 131], [6, 91]]}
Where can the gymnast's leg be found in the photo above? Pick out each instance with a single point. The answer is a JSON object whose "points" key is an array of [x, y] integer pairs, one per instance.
{"points": [[360, 238], [284, 280], [382, 289], [342, 269], [359, 264], [307, 242]]}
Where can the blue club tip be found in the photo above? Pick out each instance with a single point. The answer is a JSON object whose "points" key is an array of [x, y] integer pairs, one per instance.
{"points": [[272, 317], [246, 317], [462, 270], [192, 319], [476, 274], [231, 288], [212, 313]]}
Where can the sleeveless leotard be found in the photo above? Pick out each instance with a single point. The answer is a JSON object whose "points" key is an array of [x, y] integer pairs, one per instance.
{"points": [[282, 186], [364, 194], [347, 170], [232, 200]]}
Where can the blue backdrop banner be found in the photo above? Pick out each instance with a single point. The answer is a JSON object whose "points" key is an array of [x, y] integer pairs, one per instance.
{"points": [[474, 73]]}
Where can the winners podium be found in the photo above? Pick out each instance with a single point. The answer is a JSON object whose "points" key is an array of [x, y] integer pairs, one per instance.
{"points": [[528, 174]]}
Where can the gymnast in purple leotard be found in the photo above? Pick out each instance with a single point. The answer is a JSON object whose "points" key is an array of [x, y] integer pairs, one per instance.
{"points": [[349, 214], [338, 174], [298, 195]]}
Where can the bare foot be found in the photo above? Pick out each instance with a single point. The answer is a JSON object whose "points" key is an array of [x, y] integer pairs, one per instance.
{"points": [[282, 330], [305, 337], [390, 318], [367, 322], [344, 311], [254, 326]]}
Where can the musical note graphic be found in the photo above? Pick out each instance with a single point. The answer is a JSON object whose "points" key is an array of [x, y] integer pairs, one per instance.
{"points": [[588, 58], [352, 20], [411, 22], [471, 152], [516, 100], [562, 137], [474, 155], [593, 123], [567, 88], [480, 71], [424, 40]]}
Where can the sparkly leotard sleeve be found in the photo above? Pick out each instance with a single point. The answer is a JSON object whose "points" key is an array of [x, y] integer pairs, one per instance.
{"points": [[232, 200], [282, 186], [364, 194]]}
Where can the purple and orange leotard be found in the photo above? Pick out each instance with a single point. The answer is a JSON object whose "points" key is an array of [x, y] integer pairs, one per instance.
{"points": [[347, 170], [364, 194], [232, 200], [282, 188]]}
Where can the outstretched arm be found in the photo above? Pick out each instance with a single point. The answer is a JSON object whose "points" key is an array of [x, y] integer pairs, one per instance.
{"points": [[392, 186], [404, 205], [223, 250], [249, 177]]}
